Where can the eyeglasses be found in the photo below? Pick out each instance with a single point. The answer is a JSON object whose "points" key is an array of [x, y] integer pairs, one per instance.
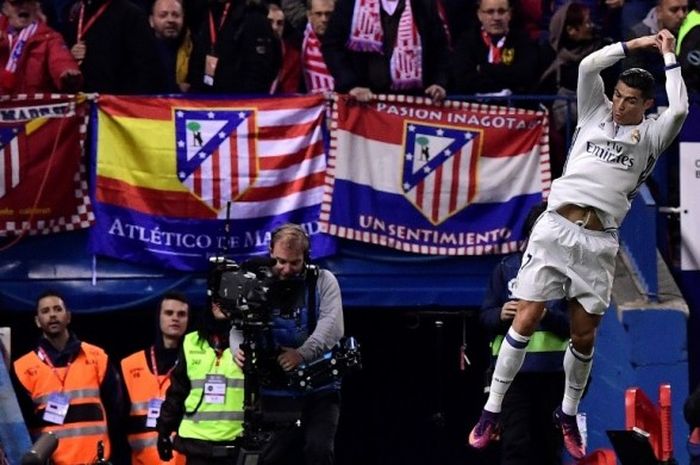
{"points": [[493, 11]]}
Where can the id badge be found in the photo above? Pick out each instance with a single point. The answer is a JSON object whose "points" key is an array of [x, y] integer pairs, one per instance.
{"points": [[210, 62], [153, 412], [215, 389], [56, 408]]}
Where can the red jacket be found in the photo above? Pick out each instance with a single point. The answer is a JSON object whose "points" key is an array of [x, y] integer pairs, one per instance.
{"points": [[41, 64], [289, 77]]}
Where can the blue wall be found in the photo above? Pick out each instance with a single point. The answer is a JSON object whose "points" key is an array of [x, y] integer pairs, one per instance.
{"points": [[647, 348]]}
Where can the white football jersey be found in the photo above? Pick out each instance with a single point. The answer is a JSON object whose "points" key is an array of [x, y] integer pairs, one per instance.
{"points": [[608, 162]]}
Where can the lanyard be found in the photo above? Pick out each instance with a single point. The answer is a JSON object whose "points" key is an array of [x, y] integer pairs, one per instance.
{"points": [[45, 358], [160, 379], [216, 340], [82, 31], [213, 31]]}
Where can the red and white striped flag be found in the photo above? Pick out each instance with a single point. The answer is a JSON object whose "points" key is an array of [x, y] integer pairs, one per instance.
{"points": [[166, 164], [9, 157], [43, 187]]}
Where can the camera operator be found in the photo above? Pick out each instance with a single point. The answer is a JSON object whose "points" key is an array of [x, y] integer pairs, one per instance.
{"points": [[204, 402], [303, 336]]}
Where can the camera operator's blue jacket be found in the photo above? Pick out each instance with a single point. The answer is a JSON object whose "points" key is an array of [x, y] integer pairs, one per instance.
{"points": [[311, 343]]}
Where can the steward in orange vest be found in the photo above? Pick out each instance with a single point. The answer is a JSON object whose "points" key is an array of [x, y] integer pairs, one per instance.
{"points": [[62, 386], [146, 376]]}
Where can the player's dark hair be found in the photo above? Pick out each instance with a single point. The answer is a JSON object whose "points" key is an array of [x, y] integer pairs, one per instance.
{"points": [[638, 78]]}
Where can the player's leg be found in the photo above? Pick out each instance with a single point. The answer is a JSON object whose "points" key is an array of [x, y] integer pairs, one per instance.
{"points": [[510, 359], [577, 368]]}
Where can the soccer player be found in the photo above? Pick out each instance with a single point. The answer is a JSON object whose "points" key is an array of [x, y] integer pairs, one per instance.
{"points": [[572, 249]]}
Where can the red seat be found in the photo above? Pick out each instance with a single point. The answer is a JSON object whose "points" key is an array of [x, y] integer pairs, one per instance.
{"points": [[641, 412]]}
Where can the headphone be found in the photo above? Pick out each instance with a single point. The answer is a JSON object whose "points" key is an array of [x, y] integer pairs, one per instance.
{"points": [[294, 230]]}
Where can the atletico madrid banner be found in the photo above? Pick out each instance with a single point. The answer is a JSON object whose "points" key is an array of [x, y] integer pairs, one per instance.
{"points": [[453, 179], [171, 171], [43, 186]]}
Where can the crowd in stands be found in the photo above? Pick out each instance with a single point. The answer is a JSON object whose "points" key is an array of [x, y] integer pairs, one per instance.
{"points": [[360, 47]]}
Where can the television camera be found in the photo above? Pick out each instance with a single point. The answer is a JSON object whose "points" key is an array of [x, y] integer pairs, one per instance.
{"points": [[250, 294]]}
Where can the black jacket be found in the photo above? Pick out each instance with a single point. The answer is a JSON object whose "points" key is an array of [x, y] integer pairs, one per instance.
{"points": [[249, 55], [354, 69], [121, 55], [472, 73]]}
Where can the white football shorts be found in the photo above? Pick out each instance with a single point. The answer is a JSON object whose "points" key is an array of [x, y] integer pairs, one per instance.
{"points": [[565, 260]]}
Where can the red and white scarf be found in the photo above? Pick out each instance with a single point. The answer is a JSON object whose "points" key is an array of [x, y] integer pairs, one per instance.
{"points": [[16, 43], [316, 74], [366, 35], [494, 55]]}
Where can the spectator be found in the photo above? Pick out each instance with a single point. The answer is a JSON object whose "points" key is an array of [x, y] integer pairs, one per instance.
{"points": [[295, 13], [56, 13], [689, 50], [532, 19], [114, 46], [317, 78], [394, 46], [528, 436], [173, 43], [458, 15], [33, 57], [633, 11], [204, 402], [605, 13], [572, 37], [276, 17], [303, 334], [492, 57], [235, 50], [289, 77], [667, 14], [68, 386], [146, 376]]}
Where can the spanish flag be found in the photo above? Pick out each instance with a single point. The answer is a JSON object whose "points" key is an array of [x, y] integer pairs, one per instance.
{"points": [[172, 173]]}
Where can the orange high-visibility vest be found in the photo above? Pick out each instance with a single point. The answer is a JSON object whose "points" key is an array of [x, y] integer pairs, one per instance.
{"points": [[86, 421], [143, 386]]}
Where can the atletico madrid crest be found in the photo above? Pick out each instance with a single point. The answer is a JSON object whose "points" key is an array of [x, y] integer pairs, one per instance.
{"points": [[439, 168], [216, 153]]}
